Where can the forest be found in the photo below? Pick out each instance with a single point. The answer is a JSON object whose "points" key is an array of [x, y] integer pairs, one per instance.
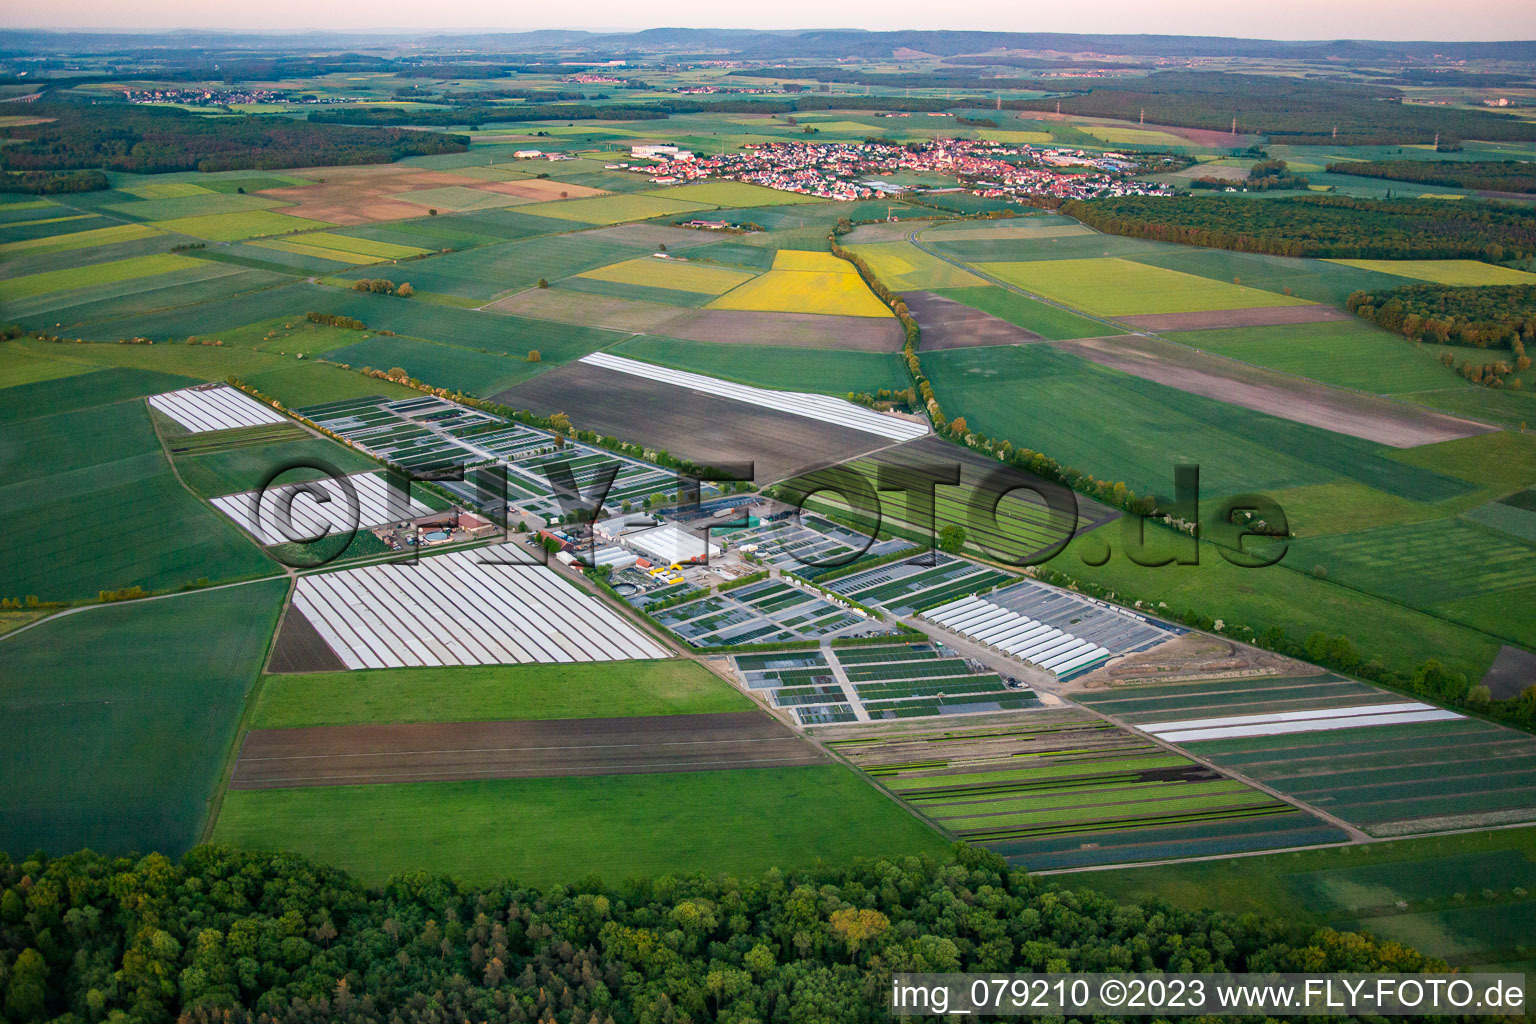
{"points": [[1487, 316], [1493, 175], [233, 936], [47, 183], [1293, 111], [1337, 227], [151, 140]]}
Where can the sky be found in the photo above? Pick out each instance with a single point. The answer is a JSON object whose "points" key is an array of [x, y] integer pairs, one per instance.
{"points": [[1295, 19]]}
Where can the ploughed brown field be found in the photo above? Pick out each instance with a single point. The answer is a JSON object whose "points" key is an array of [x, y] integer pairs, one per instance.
{"points": [[707, 430], [446, 751], [949, 324], [299, 647]]}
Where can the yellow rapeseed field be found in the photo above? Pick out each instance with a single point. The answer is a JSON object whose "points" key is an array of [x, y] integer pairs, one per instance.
{"points": [[805, 282], [679, 275]]}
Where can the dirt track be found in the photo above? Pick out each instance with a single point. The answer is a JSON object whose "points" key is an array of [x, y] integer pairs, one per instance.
{"points": [[435, 752], [1344, 412], [703, 428]]}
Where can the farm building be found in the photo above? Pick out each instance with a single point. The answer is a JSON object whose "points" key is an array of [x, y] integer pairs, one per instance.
{"points": [[670, 544]]}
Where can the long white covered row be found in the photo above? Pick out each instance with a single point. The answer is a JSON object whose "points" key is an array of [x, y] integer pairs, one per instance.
{"points": [[463, 609], [825, 408], [1018, 635], [221, 407], [261, 513], [1286, 722]]}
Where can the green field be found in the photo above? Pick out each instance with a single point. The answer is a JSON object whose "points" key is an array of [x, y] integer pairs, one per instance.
{"points": [[1463, 571], [1286, 595], [1450, 272], [441, 366], [731, 193], [25, 367], [118, 719], [617, 209], [198, 203], [1054, 402], [1050, 322], [487, 271], [34, 285], [111, 514], [559, 830], [230, 227], [247, 468], [1453, 896], [1118, 287], [1349, 353], [1318, 280], [770, 366], [80, 239], [617, 689], [309, 383]]}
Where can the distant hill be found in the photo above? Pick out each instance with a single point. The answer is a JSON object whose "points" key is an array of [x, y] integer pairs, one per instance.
{"points": [[751, 44]]}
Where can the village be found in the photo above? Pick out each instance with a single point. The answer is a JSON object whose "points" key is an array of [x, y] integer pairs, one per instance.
{"points": [[853, 170]]}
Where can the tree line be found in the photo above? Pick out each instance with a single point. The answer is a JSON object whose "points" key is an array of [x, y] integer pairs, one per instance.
{"points": [[152, 140], [235, 937], [1492, 175], [1295, 111], [48, 183], [1487, 316], [1340, 227]]}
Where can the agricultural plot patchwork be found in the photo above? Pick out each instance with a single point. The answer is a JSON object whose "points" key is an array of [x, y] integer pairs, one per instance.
{"points": [[922, 581], [905, 267], [1514, 515], [1388, 765], [1060, 788], [507, 463], [659, 278], [835, 685], [772, 611], [485, 607], [1465, 897], [1052, 400], [811, 546], [1348, 353], [617, 209], [1009, 515]]}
